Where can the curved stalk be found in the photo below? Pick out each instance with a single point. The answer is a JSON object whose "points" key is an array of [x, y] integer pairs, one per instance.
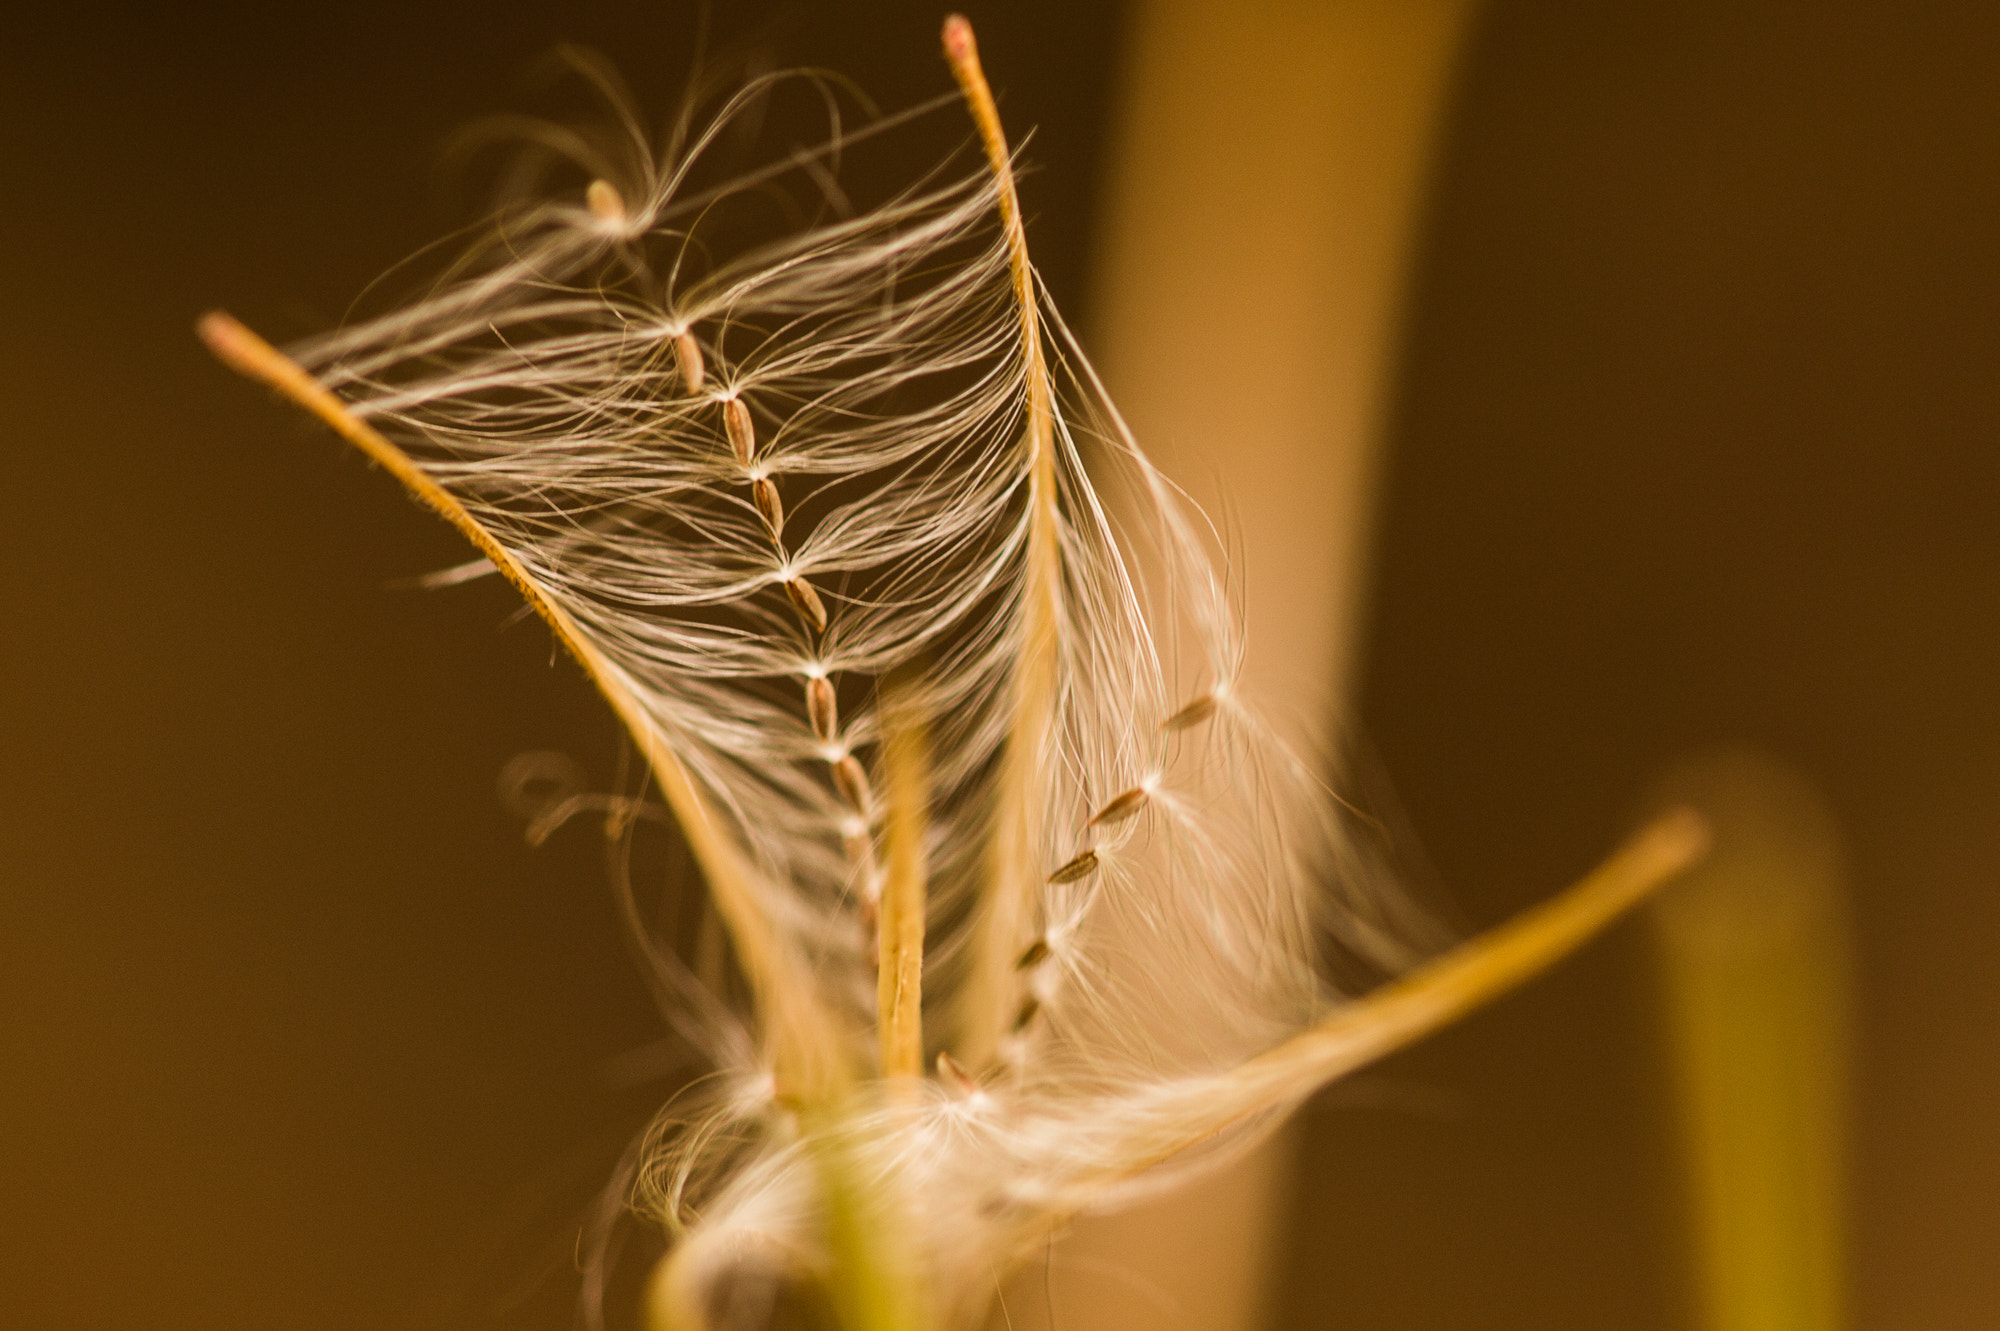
{"points": [[806, 1048], [899, 990], [1405, 1010], [1012, 873]]}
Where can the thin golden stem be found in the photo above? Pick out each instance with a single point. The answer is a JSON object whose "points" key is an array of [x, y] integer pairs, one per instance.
{"points": [[899, 993], [1436, 994], [1013, 875], [806, 1048]]}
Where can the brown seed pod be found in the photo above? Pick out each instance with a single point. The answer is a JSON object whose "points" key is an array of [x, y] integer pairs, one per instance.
{"points": [[806, 601], [1193, 714], [852, 782], [604, 201], [1120, 808], [688, 352], [1031, 1008], [1035, 953], [1079, 866], [769, 505], [953, 1075], [742, 432], [860, 850], [822, 708]]}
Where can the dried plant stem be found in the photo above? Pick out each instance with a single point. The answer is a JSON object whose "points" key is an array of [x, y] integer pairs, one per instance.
{"points": [[1438, 993], [806, 1048], [1013, 877], [868, 1275], [900, 920]]}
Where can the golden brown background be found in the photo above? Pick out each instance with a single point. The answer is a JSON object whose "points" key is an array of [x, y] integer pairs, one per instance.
{"points": [[1696, 439]]}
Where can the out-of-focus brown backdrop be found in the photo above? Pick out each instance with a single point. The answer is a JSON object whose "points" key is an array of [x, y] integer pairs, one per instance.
{"points": [[1695, 440]]}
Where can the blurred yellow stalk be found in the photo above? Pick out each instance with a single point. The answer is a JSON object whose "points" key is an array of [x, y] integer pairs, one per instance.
{"points": [[1755, 985], [1267, 179]]}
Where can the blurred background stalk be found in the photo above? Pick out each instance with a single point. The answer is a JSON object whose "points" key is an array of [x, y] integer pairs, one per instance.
{"points": [[1268, 165], [1754, 971]]}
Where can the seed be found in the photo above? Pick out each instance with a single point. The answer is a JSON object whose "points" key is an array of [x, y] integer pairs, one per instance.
{"points": [[852, 782], [742, 433], [688, 352], [604, 202], [768, 504], [1035, 954], [951, 1072], [1121, 807], [822, 708], [806, 601], [858, 847], [1031, 1007], [1078, 867], [1193, 714]]}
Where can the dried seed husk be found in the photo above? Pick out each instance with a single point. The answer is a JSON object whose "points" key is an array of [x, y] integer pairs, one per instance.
{"points": [[769, 506], [1079, 866], [1121, 807], [852, 782], [604, 201], [860, 850], [806, 601], [688, 352], [1193, 714], [953, 1074], [822, 708], [742, 432]]}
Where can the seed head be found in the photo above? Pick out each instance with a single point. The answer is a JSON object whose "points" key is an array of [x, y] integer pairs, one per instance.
{"points": [[891, 879]]}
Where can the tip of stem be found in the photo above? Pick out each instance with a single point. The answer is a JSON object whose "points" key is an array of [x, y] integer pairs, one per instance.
{"points": [[1679, 838], [959, 45], [230, 342]]}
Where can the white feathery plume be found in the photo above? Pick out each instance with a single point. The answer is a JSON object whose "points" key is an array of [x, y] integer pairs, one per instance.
{"points": [[958, 752]]}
